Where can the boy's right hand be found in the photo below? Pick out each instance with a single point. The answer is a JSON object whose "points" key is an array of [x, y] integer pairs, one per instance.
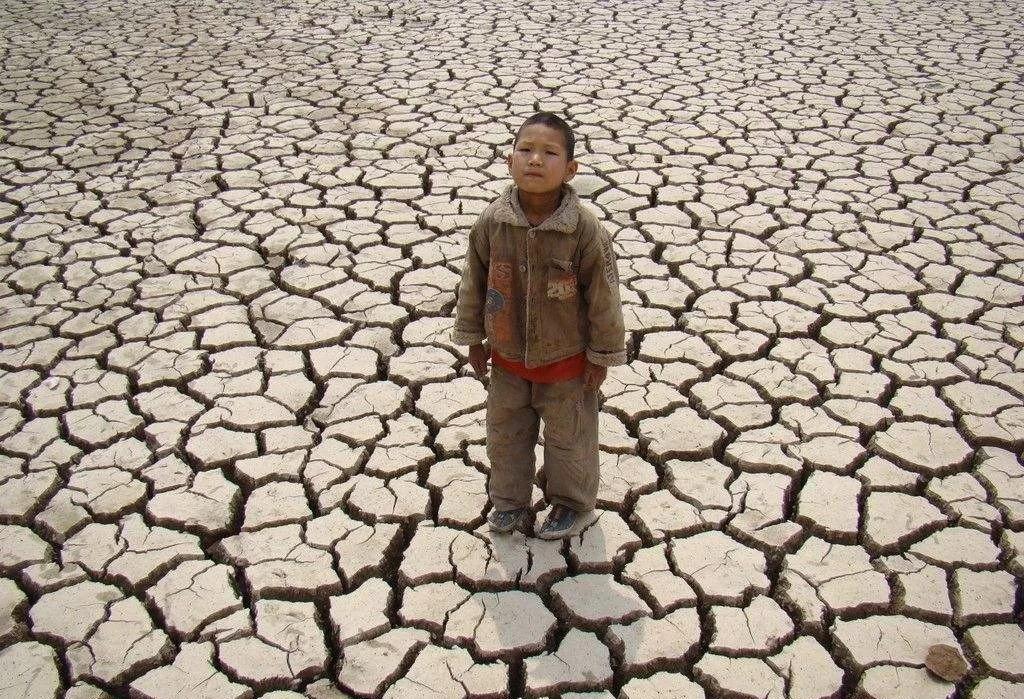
{"points": [[478, 356]]}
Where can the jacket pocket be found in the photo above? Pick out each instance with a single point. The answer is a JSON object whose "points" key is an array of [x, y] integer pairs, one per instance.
{"points": [[560, 308]]}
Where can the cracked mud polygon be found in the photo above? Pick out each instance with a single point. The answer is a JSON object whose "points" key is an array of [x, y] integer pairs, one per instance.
{"points": [[240, 457]]}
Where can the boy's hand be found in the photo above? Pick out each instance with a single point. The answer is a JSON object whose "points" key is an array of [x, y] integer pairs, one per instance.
{"points": [[478, 356], [593, 376]]}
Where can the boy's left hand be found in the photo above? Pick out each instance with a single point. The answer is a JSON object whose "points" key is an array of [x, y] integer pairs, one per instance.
{"points": [[593, 376]]}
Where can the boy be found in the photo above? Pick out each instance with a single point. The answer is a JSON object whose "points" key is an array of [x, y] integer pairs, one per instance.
{"points": [[541, 286]]}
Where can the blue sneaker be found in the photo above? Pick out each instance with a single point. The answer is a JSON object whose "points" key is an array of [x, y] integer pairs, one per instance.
{"points": [[505, 521], [563, 522]]}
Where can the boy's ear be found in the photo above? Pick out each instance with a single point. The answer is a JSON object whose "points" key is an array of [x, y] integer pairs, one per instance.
{"points": [[508, 161], [570, 170]]}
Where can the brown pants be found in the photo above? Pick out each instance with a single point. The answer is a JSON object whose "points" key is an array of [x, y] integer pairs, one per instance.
{"points": [[514, 408]]}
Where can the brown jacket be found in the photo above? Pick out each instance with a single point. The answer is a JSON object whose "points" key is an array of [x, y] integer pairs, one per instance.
{"points": [[541, 294]]}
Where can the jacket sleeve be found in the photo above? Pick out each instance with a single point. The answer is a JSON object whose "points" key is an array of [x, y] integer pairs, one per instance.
{"points": [[469, 310], [599, 278]]}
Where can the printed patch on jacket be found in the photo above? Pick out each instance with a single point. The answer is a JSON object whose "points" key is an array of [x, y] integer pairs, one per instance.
{"points": [[495, 301], [497, 308], [562, 287], [499, 275]]}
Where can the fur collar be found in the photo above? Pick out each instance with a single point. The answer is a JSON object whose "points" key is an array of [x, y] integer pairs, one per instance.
{"points": [[564, 220]]}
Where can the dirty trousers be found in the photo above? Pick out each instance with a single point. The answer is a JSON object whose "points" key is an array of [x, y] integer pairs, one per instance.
{"points": [[514, 408]]}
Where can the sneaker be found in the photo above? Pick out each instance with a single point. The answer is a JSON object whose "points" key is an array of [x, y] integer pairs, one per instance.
{"points": [[502, 522], [563, 522]]}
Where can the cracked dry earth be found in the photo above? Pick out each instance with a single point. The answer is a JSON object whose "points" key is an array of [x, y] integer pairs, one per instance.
{"points": [[239, 456]]}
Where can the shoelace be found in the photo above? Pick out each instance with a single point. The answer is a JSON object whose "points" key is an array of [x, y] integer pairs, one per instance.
{"points": [[558, 518]]}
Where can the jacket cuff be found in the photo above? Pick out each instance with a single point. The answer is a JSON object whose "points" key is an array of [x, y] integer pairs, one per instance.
{"points": [[466, 337], [606, 358]]}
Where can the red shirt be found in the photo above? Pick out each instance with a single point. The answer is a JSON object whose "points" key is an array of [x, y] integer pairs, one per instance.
{"points": [[562, 370]]}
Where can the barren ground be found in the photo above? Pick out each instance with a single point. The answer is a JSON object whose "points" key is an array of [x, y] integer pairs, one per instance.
{"points": [[240, 457]]}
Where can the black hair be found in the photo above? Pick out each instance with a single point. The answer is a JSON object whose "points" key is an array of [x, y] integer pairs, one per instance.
{"points": [[556, 122]]}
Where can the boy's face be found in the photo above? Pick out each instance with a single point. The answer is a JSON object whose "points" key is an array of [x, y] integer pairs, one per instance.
{"points": [[539, 162]]}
